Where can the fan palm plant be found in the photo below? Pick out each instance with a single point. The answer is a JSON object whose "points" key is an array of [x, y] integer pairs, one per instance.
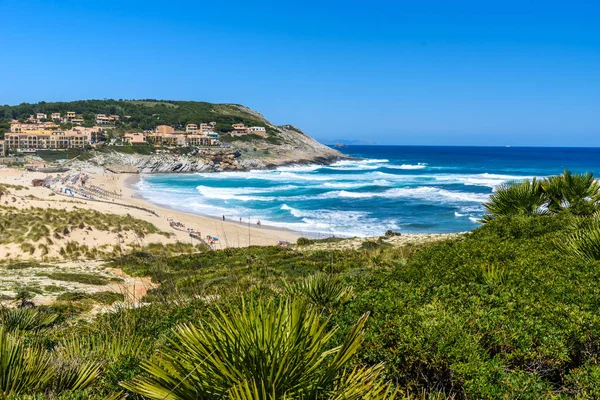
{"points": [[584, 241], [262, 351], [25, 319], [320, 289], [27, 370], [517, 198], [576, 193]]}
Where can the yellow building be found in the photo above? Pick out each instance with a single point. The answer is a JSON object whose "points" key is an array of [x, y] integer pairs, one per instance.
{"points": [[170, 139], [134, 138], [44, 139], [164, 129], [198, 140]]}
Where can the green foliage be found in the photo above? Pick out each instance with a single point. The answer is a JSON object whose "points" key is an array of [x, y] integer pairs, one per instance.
{"points": [[142, 114], [25, 319], [584, 241], [369, 245], [524, 198], [577, 193], [501, 313], [87, 279], [100, 297], [302, 241], [261, 351], [27, 370], [320, 289]]}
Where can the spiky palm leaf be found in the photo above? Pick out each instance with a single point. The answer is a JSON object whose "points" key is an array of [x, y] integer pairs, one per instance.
{"points": [[107, 346], [320, 289], [262, 351], [584, 241], [22, 370], [517, 198], [25, 319], [576, 193], [25, 370]]}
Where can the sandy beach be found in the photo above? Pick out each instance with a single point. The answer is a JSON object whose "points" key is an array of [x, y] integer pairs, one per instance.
{"points": [[229, 234]]}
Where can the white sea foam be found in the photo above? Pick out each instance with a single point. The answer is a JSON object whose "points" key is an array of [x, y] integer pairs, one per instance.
{"points": [[422, 192], [299, 168], [352, 163], [242, 194], [408, 166]]}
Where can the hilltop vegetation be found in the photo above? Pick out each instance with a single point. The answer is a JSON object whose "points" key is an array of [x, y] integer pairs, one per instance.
{"points": [[143, 114]]}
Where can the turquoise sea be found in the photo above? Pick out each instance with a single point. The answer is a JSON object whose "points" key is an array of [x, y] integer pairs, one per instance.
{"points": [[411, 189]]}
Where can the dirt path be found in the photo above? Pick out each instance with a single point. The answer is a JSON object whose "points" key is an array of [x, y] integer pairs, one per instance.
{"points": [[133, 288]]}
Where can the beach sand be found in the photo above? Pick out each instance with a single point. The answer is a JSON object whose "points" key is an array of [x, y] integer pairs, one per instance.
{"points": [[230, 234]]}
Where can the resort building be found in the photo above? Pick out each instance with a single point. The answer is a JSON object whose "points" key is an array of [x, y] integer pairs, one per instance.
{"points": [[71, 115], [258, 130], [55, 116], [169, 139], [45, 139], [97, 133], [199, 140], [239, 129], [2, 148], [16, 126], [40, 116], [191, 128], [214, 136], [204, 128], [164, 129], [134, 138], [102, 119]]}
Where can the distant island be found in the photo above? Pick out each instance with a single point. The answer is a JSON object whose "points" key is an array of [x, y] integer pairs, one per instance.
{"points": [[154, 136]]}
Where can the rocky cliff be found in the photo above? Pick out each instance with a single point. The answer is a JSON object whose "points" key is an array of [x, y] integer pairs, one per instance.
{"points": [[282, 145]]}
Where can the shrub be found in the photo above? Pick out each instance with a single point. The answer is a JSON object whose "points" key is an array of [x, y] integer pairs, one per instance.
{"points": [[320, 289], [369, 245], [264, 351], [302, 241]]}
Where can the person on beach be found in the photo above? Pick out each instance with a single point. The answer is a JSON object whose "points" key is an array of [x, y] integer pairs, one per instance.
{"points": [[223, 218]]}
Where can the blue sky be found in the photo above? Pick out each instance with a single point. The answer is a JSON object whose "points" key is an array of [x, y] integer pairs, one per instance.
{"points": [[393, 72]]}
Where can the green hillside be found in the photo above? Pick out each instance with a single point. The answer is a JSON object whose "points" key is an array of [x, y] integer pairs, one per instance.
{"points": [[141, 114]]}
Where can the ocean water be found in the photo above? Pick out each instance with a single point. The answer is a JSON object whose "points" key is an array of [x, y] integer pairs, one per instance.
{"points": [[411, 189]]}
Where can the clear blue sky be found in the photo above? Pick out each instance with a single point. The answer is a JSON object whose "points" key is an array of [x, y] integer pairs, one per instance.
{"points": [[397, 72]]}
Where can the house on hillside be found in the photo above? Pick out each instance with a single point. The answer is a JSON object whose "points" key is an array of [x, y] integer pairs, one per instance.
{"points": [[164, 130], [204, 128], [191, 128], [134, 138], [258, 130], [239, 129]]}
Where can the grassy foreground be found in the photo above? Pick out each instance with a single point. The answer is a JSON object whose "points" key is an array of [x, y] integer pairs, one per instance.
{"points": [[503, 312]]}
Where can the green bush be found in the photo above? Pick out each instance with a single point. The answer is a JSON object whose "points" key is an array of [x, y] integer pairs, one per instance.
{"points": [[302, 241]]}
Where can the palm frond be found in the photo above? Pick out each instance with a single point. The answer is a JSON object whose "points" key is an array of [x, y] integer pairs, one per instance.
{"points": [[517, 198], [576, 193], [259, 351], [320, 289]]}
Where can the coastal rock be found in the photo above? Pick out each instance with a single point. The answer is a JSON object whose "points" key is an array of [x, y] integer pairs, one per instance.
{"points": [[287, 145]]}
